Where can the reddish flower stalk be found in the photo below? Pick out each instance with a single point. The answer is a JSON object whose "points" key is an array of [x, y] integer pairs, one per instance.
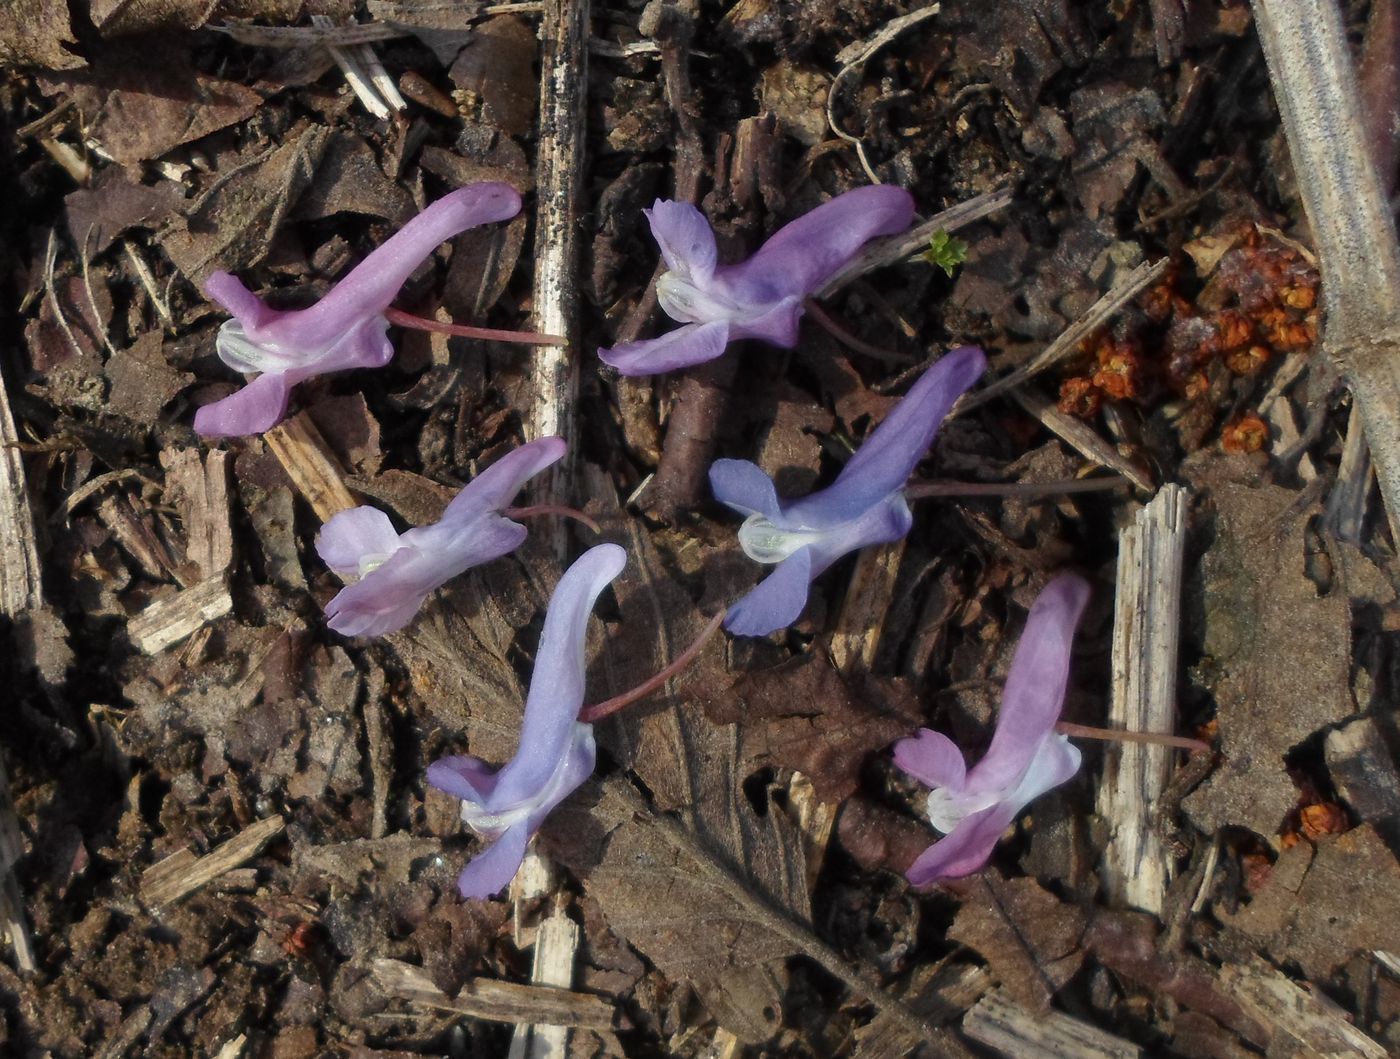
{"points": [[487, 334], [562, 510], [595, 713], [1117, 735]]}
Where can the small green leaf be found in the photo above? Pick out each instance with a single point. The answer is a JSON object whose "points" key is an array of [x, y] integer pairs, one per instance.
{"points": [[945, 251]]}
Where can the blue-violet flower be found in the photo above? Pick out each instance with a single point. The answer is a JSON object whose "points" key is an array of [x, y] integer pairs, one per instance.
{"points": [[758, 298], [1027, 757], [345, 329], [865, 505], [556, 752], [398, 571]]}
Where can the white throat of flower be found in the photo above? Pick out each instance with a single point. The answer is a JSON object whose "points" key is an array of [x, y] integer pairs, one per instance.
{"points": [[686, 303], [373, 561], [946, 808], [764, 542], [490, 824], [241, 353]]}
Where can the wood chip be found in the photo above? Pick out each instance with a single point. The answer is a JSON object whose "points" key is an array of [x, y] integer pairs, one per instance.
{"points": [[183, 873], [1293, 1013], [861, 621], [1146, 633], [199, 489], [138, 538], [496, 1001], [170, 620], [20, 587], [307, 459], [1015, 1031], [11, 900], [556, 945]]}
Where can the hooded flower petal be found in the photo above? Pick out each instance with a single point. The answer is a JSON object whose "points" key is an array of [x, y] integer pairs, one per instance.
{"points": [[762, 297], [864, 506], [399, 571], [778, 600], [1027, 757], [556, 752], [346, 328]]}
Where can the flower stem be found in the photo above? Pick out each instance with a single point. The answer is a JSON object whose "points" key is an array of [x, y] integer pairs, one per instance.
{"points": [[920, 490], [535, 510], [1116, 735], [591, 714], [486, 334], [823, 318]]}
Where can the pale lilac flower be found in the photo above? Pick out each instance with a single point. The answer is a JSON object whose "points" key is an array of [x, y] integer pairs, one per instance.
{"points": [[556, 752], [974, 807], [865, 505], [345, 329], [398, 571], [758, 298]]}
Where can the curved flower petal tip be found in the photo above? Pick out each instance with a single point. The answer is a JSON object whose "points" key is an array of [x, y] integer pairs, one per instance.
{"points": [[398, 572], [681, 348], [556, 752], [258, 406], [346, 328], [778, 600], [1026, 758], [762, 297]]}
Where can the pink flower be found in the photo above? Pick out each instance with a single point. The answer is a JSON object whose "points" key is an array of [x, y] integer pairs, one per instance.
{"points": [[974, 807]]}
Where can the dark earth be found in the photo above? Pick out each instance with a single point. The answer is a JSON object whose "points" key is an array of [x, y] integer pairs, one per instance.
{"points": [[226, 846]]}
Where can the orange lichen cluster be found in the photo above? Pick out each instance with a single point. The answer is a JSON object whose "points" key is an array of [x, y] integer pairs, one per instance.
{"points": [[1244, 434], [1256, 300]]}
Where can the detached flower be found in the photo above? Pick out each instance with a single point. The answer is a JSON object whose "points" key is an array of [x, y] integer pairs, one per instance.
{"points": [[974, 807], [758, 298], [345, 329], [865, 505], [398, 571], [556, 752]]}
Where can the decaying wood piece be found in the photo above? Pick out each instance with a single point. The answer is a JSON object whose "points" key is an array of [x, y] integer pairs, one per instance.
{"points": [[556, 944], [138, 539], [1012, 1030], [1293, 1014], [183, 872], [1080, 436], [861, 620], [938, 994], [485, 998], [11, 900], [1146, 633], [1352, 225], [199, 489], [558, 176], [307, 459], [20, 587], [1346, 506], [168, 621]]}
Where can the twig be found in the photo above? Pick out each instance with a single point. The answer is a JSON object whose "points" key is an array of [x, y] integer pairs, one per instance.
{"points": [[537, 1036], [485, 998], [1010, 1029], [20, 586], [558, 176], [1146, 632], [1346, 506], [148, 281], [1310, 65], [1080, 436], [182, 872], [11, 900], [355, 75]]}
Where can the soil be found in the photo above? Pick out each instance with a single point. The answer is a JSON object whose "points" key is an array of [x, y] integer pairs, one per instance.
{"points": [[225, 842]]}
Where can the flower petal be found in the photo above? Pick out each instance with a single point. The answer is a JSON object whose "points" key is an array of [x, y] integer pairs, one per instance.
{"points": [[350, 536], [931, 758], [1035, 686], [691, 344], [965, 849], [777, 325], [491, 870], [556, 687], [804, 254], [778, 600], [463, 776], [258, 406], [883, 464], [374, 283], [686, 239], [744, 487], [386, 599], [495, 487], [228, 290]]}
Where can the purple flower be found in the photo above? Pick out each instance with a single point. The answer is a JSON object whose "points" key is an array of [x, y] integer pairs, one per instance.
{"points": [[974, 807], [398, 571], [556, 752], [345, 329], [758, 298], [865, 505]]}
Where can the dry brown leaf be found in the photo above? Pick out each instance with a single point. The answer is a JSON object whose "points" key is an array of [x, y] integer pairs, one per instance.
{"points": [[37, 33], [1319, 906], [804, 715], [1030, 938], [1258, 598]]}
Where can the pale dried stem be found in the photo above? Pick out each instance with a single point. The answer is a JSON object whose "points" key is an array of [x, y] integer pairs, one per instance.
{"points": [[1315, 85], [558, 173]]}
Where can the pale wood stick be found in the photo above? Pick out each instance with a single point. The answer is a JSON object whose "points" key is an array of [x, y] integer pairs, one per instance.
{"points": [[1012, 1030], [12, 919], [1146, 632], [168, 621], [307, 459], [182, 872], [1315, 85], [20, 587], [485, 998], [558, 176], [1294, 1015]]}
